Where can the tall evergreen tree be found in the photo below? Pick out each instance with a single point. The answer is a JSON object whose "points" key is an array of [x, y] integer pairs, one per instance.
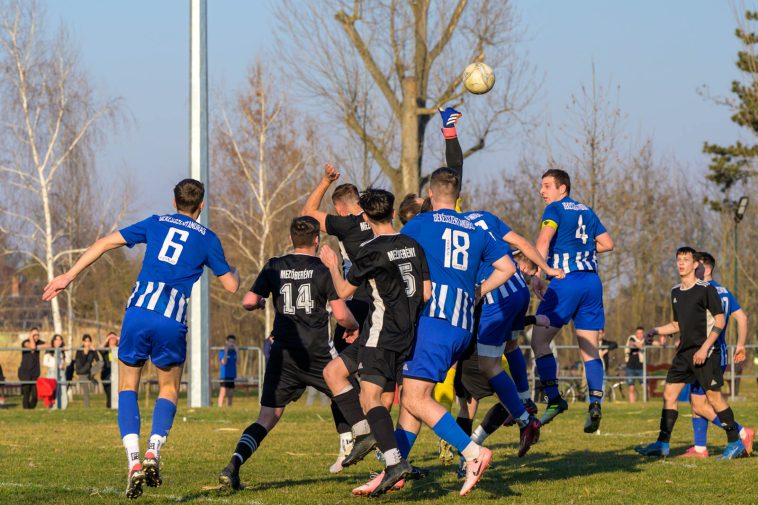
{"points": [[732, 165]]}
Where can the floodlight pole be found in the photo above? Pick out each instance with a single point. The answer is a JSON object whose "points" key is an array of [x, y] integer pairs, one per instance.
{"points": [[199, 329]]}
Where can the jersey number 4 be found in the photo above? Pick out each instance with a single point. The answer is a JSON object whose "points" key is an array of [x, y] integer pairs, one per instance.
{"points": [[581, 230], [456, 249], [303, 302], [174, 247]]}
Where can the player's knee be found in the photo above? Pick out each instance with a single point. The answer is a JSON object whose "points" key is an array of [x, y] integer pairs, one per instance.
{"points": [[490, 367]]}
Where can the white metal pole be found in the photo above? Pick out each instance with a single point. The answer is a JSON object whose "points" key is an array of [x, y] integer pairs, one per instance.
{"points": [[199, 329]]}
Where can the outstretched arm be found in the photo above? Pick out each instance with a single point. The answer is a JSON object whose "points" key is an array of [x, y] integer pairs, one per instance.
{"points": [[453, 151], [230, 280], [92, 254], [518, 242], [504, 269], [312, 204]]}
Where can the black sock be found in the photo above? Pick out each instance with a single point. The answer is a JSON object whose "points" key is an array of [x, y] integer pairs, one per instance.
{"points": [[339, 419], [727, 422], [350, 405], [384, 431], [668, 419], [494, 418], [249, 442], [465, 424]]}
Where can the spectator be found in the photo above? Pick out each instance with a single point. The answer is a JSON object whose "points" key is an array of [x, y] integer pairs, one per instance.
{"points": [[84, 362], [29, 370], [111, 340], [634, 356], [228, 371], [605, 346], [56, 369]]}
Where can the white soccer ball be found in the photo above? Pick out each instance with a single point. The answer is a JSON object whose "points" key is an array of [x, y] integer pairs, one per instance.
{"points": [[478, 78]]}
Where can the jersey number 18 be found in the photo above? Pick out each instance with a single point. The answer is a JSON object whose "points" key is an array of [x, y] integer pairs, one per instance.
{"points": [[456, 249]]}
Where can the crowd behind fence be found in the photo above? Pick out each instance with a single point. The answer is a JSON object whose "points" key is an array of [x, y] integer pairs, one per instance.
{"points": [[252, 362]]}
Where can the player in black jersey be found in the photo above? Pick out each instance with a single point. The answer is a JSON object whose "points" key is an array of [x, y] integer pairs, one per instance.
{"points": [[301, 288], [349, 226], [394, 266], [699, 320]]}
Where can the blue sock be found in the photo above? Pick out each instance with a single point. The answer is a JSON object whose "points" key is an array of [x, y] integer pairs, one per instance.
{"points": [[405, 441], [548, 370], [700, 430], [506, 391], [517, 364], [593, 370], [128, 413], [163, 417], [449, 431]]}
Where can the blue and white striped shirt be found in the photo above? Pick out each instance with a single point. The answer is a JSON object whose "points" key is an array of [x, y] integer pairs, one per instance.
{"points": [[159, 297]]}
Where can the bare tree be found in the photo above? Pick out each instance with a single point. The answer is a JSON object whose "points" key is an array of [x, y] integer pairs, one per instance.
{"points": [[262, 172], [382, 68], [50, 119]]}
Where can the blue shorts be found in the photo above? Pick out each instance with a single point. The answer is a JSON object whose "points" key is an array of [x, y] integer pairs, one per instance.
{"points": [[148, 334], [633, 375], [579, 297], [438, 345], [697, 389], [498, 322]]}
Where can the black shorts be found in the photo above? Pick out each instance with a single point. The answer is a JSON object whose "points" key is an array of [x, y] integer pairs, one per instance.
{"points": [[227, 384], [382, 366], [709, 375], [288, 373], [470, 382], [351, 357], [360, 309]]}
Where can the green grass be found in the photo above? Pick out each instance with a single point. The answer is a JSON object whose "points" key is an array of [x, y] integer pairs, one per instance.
{"points": [[76, 457]]}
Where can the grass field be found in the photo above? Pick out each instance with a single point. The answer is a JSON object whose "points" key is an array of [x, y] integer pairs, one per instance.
{"points": [[76, 457]]}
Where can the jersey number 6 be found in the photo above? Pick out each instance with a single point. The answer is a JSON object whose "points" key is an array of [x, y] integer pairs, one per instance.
{"points": [[169, 243]]}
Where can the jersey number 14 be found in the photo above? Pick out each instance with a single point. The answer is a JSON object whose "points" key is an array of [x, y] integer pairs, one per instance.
{"points": [[303, 301]]}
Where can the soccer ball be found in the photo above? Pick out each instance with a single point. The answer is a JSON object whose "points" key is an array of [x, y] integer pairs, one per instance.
{"points": [[478, 78]]}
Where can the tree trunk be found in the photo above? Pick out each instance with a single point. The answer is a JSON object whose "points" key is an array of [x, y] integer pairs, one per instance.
{"points": [[409, 142], [49, 263]]}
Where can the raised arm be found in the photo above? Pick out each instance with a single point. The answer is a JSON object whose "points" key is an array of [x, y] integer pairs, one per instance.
{"points": [[312, 204], [92, 254], [329, 258]]}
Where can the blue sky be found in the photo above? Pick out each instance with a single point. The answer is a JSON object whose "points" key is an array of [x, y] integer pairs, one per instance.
{"points": [[658, 52]]}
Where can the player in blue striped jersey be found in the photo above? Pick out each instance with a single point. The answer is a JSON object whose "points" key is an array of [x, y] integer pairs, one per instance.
{"points": [[500, 323], [178, 249], [702, 411], [455, 248], [570, 239]]}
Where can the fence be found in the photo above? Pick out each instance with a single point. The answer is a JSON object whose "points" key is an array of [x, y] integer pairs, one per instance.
{"points": [[251, 362]]}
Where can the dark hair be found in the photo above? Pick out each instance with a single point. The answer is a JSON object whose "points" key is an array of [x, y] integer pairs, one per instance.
{"points": [[188, 195], [561, 177], [346, 193], [445, 181], [52, 345], [409, 207], [639, 328], [86, 337], [378, 204], [34, 328], [686, 250], [303, 230], [427, 205], [706, 259], [231, 337]]}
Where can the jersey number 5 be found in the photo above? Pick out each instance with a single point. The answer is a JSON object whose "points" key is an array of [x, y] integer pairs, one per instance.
{"points": [[456, 249], [410, 281], [303, 302], [175, 247]]}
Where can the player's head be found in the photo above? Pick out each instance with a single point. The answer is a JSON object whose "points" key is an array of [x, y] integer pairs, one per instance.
{"points": [[409, 207], [378, 204], [304, 232], [524, 264], [556, 185], [231, 339], [344, 198], [444, 186], [188, 196], [639, 332], [686, 261], [708, 262]]}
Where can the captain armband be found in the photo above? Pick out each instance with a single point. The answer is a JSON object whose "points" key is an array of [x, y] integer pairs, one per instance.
{"points": [[549, 222]]}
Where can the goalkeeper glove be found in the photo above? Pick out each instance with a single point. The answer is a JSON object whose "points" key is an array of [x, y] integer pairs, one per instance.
{"points": [[450, 116]]}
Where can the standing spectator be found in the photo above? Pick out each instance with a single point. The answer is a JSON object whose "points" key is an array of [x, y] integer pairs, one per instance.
{"points": [[111, 340], [29, 370], [83, 365], [228, 371], [634, 356], [56, 369]]}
